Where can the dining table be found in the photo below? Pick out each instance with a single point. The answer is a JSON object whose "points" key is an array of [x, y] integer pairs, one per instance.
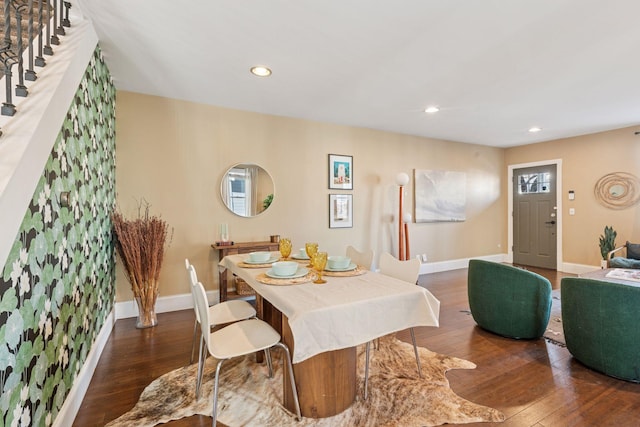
{"points": [[322, 324]]}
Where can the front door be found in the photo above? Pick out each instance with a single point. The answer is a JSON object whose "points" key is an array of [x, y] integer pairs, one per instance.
{"points": [[535, 216]]}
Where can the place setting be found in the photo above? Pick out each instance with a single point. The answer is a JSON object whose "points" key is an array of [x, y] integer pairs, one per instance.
{"points": [[336, 265], [264, 259], [342, 266], [289, 271], [301, 255], [284, 273], [259, 259]]}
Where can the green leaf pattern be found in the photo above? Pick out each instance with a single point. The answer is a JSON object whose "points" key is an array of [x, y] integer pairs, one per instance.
{"points": [[57, 286]]}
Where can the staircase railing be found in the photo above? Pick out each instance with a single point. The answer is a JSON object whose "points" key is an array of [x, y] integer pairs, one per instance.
{"points": [[24, 24]]}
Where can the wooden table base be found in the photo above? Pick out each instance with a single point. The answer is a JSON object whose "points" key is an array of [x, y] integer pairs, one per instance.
{"points": [[326, 382]]}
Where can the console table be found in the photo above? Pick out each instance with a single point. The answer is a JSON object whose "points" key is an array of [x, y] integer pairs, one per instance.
{"points": [[238, 248]]}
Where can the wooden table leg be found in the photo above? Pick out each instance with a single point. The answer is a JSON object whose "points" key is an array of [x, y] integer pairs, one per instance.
{"points": [[259, 311], [326, 382], [271, 315], [265, 311]]}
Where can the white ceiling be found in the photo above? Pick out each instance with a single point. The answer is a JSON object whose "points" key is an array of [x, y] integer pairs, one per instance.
{"points": [[495, 67]]}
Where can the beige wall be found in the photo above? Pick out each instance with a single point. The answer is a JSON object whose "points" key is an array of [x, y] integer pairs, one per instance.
{"points": [[585, 159], [174, 154]]}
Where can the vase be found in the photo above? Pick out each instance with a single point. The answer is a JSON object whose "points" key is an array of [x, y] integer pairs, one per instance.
{"points": [[146, 315], [604, 264]]}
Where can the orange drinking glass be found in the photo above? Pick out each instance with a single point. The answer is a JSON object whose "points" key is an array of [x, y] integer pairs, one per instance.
{"points": [[311, 249], [319, 262], [285, 247]]}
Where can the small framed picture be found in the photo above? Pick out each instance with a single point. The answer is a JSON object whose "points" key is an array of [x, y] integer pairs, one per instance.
{"points": [[340, 210], [340, 172]]}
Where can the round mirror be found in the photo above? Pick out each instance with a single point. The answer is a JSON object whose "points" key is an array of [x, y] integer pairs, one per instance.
{"points": [[617, 190], [247, 189]]}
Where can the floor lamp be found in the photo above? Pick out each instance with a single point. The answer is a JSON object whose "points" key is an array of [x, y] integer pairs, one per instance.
{"points": [[402, 179], [406, 219]]}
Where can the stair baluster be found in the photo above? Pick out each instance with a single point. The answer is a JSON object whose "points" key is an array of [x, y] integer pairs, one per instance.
{"points": [[30, 73], [8, 61], [21, 89], [22, 26]]}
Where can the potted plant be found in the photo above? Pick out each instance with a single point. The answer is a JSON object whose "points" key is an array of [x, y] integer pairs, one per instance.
{"points": [[267, 201], [140, 244], [607, 244]]}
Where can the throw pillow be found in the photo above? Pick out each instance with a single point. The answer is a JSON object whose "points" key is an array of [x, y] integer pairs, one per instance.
{"points": [[633, 250]]}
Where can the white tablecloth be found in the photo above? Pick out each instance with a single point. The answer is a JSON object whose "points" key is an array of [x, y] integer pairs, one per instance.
{"points": [[344, 312]]}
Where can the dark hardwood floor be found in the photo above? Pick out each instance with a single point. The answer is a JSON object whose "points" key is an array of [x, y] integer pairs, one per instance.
{"points": [[534, 383]]}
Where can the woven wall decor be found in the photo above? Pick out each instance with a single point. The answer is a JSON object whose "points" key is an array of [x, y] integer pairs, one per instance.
{"points": [[617, 190]]}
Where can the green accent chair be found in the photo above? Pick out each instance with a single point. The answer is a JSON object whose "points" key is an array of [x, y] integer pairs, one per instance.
{"points": [[507, 300], [600, 321]]}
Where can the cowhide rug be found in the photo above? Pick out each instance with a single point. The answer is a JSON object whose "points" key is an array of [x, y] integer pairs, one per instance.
{"points": [[247, 397], [555, 332]]}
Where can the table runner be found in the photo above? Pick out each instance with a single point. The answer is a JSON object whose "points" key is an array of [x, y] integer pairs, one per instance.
{"points": [[344, 312]]}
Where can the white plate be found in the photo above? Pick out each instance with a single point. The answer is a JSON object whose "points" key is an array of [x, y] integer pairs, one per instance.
{"points": [[299, 273], [298, 256], [269, 261], [352, 266]]}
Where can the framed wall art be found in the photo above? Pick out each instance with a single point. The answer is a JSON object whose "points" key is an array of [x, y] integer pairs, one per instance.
{"points": [[340, 172], [340, 210], [439, 196]]}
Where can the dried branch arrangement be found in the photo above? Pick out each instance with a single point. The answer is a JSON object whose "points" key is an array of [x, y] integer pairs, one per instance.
{"points": [[140, 244]]}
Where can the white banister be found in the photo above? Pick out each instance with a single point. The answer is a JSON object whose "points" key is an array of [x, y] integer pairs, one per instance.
{"points": [[28, 137]]}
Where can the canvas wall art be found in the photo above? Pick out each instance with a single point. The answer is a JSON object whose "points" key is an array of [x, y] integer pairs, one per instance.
{"points": [[439, 195]]}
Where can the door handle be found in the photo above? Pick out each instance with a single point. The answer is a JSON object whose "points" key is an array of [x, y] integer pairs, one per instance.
{"points": [[550, 222]]}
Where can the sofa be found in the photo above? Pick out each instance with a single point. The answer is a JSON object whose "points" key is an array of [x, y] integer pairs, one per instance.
{"points": [[627, 256], [600, 321], [507, 300]]}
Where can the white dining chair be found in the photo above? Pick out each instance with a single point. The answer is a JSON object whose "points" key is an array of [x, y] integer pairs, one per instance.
{"points": [[407, 271], [219, 314], [363, 259], [235, 340]]}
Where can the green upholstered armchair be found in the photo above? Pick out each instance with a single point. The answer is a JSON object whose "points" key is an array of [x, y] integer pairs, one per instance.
{"points": [[507, 300], [600, 321]]}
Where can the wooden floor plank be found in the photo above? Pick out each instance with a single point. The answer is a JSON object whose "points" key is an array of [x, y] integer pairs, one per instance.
{"points": [[533, 382]]}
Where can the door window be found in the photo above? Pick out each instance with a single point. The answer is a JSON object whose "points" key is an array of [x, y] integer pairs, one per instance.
{"points": [[532, 183]]}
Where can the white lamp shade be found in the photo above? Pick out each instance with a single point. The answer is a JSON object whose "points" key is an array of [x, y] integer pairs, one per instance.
{"points": [[402, 179]]}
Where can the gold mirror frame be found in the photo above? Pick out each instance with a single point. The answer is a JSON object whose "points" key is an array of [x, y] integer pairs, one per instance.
{"points": [[251, 197], [617, 190]]}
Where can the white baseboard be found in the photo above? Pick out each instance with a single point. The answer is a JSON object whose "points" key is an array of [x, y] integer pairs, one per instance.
{"points": [[127, 309], [578, 268], [456, 264], [72, 403]]}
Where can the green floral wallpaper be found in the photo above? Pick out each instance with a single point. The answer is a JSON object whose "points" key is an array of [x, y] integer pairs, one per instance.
{"points": [[57, 287]]}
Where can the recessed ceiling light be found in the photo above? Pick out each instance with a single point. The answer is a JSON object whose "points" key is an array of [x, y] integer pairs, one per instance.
{"points": [[432, 109], [260, 71], [535, 129]]}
